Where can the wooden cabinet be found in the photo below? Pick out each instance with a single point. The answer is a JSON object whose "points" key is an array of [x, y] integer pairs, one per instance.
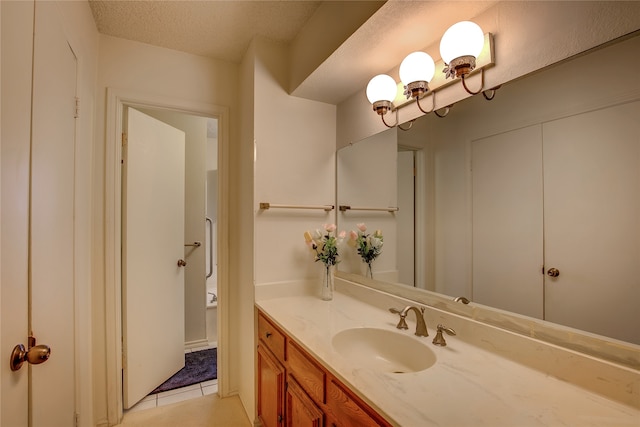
{"points": [[295, 390], [348, 409], [301, 410], [271, 386]]}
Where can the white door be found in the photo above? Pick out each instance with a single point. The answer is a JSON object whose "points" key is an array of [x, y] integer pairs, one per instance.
{"points": [[592, 221], [38, 207], [507, 221], [153, 245]]}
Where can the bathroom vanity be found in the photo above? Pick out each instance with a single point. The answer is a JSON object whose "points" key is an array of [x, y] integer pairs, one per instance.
{"points": [[319, 364], [295, 388]]}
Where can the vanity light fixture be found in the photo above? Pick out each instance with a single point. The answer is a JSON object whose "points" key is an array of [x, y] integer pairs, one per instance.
{"points": [[460, 47]]}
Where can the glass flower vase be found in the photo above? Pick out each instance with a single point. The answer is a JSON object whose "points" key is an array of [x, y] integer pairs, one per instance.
{"points": [[327, 283], [366, 269]]}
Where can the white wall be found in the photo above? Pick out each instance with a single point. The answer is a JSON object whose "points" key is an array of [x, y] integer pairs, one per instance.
{"points": [[161, 74], [295, 164], [287, 147], [241, 251]]}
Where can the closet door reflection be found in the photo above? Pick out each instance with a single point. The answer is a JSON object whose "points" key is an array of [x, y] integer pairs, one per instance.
{"points": [[592, 221], [507, 221], [556, 228]]}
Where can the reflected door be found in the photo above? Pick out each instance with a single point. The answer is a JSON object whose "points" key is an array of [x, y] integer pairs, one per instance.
{"points": [[556, 221], [592, 221], [507, 221]]}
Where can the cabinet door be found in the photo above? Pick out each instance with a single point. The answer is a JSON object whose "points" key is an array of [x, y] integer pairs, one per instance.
{"points": [[301, 411], [270, 389]]}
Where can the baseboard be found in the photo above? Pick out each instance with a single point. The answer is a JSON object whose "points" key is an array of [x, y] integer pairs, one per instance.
{"points": [[195, 344]]}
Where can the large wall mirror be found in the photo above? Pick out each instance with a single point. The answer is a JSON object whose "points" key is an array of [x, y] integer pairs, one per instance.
{"points": [[529, 203]]}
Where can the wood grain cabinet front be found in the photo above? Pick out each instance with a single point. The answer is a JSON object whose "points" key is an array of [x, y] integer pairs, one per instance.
{"points": [[346, 409], [295, 390], [301, 410], [271, 386]]}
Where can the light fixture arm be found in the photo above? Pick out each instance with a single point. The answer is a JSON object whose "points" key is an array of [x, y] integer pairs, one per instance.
{"points": [[464, 84], [433, 103], [446, 111], [408, 127], [489, 94], [386, 124], [397, 123]]}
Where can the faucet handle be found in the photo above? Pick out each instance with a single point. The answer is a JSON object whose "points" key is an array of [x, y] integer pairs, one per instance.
{"points": [[439, 339], [402, 324]]}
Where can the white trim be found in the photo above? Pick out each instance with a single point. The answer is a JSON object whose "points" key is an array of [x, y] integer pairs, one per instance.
{"points": [[116, 99], [196, 344], [420, 193]]}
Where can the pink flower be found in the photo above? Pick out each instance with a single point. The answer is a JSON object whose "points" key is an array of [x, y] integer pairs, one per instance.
{"points": [[342, 234], [353, 235], [361, 227], [330, 227]]}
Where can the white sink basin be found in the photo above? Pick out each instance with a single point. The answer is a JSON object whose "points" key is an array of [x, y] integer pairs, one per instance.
{"points": [[384, 350]]}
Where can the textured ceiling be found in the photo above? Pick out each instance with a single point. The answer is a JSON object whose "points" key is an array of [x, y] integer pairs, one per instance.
{"points": [[223, 29], [220, 29]]}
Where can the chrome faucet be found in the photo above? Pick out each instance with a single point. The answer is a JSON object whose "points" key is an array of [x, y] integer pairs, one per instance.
{"points": [[421, 326]]}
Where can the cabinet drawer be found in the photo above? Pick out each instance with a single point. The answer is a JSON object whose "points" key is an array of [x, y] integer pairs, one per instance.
{"points": [[349, 409], [271, 337], [307, 372]]}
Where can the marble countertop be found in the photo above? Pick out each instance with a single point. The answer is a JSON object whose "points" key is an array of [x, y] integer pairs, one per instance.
{"points": [[467, 386]]}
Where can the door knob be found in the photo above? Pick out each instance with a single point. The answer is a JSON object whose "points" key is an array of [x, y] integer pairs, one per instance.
{"points": [[182, 263], [35, 355], [553, 272]]}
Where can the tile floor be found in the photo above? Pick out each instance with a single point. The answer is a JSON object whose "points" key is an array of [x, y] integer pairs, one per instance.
{"points": [[179, 394], [205, 411]]}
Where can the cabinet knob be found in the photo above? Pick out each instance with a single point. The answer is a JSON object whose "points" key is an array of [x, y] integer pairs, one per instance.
{"points": [[553, 272], [268, 334]]}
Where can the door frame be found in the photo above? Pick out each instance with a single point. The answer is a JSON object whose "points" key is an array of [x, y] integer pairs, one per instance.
{"points": [[116, 100]]}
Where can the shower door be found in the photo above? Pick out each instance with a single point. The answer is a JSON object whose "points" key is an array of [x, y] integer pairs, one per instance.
{"points": [[152, 254]]}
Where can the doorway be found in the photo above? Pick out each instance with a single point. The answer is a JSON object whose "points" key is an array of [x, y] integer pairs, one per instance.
{"points": [[196, 347], [117, 102]]}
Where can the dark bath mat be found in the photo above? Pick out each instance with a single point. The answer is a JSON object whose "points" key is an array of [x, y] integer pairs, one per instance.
{"points": [[199, 366]]}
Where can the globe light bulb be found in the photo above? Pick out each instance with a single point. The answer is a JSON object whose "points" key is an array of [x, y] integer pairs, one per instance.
{"points": [[381, 88], [417, 66], [462, 39]]}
